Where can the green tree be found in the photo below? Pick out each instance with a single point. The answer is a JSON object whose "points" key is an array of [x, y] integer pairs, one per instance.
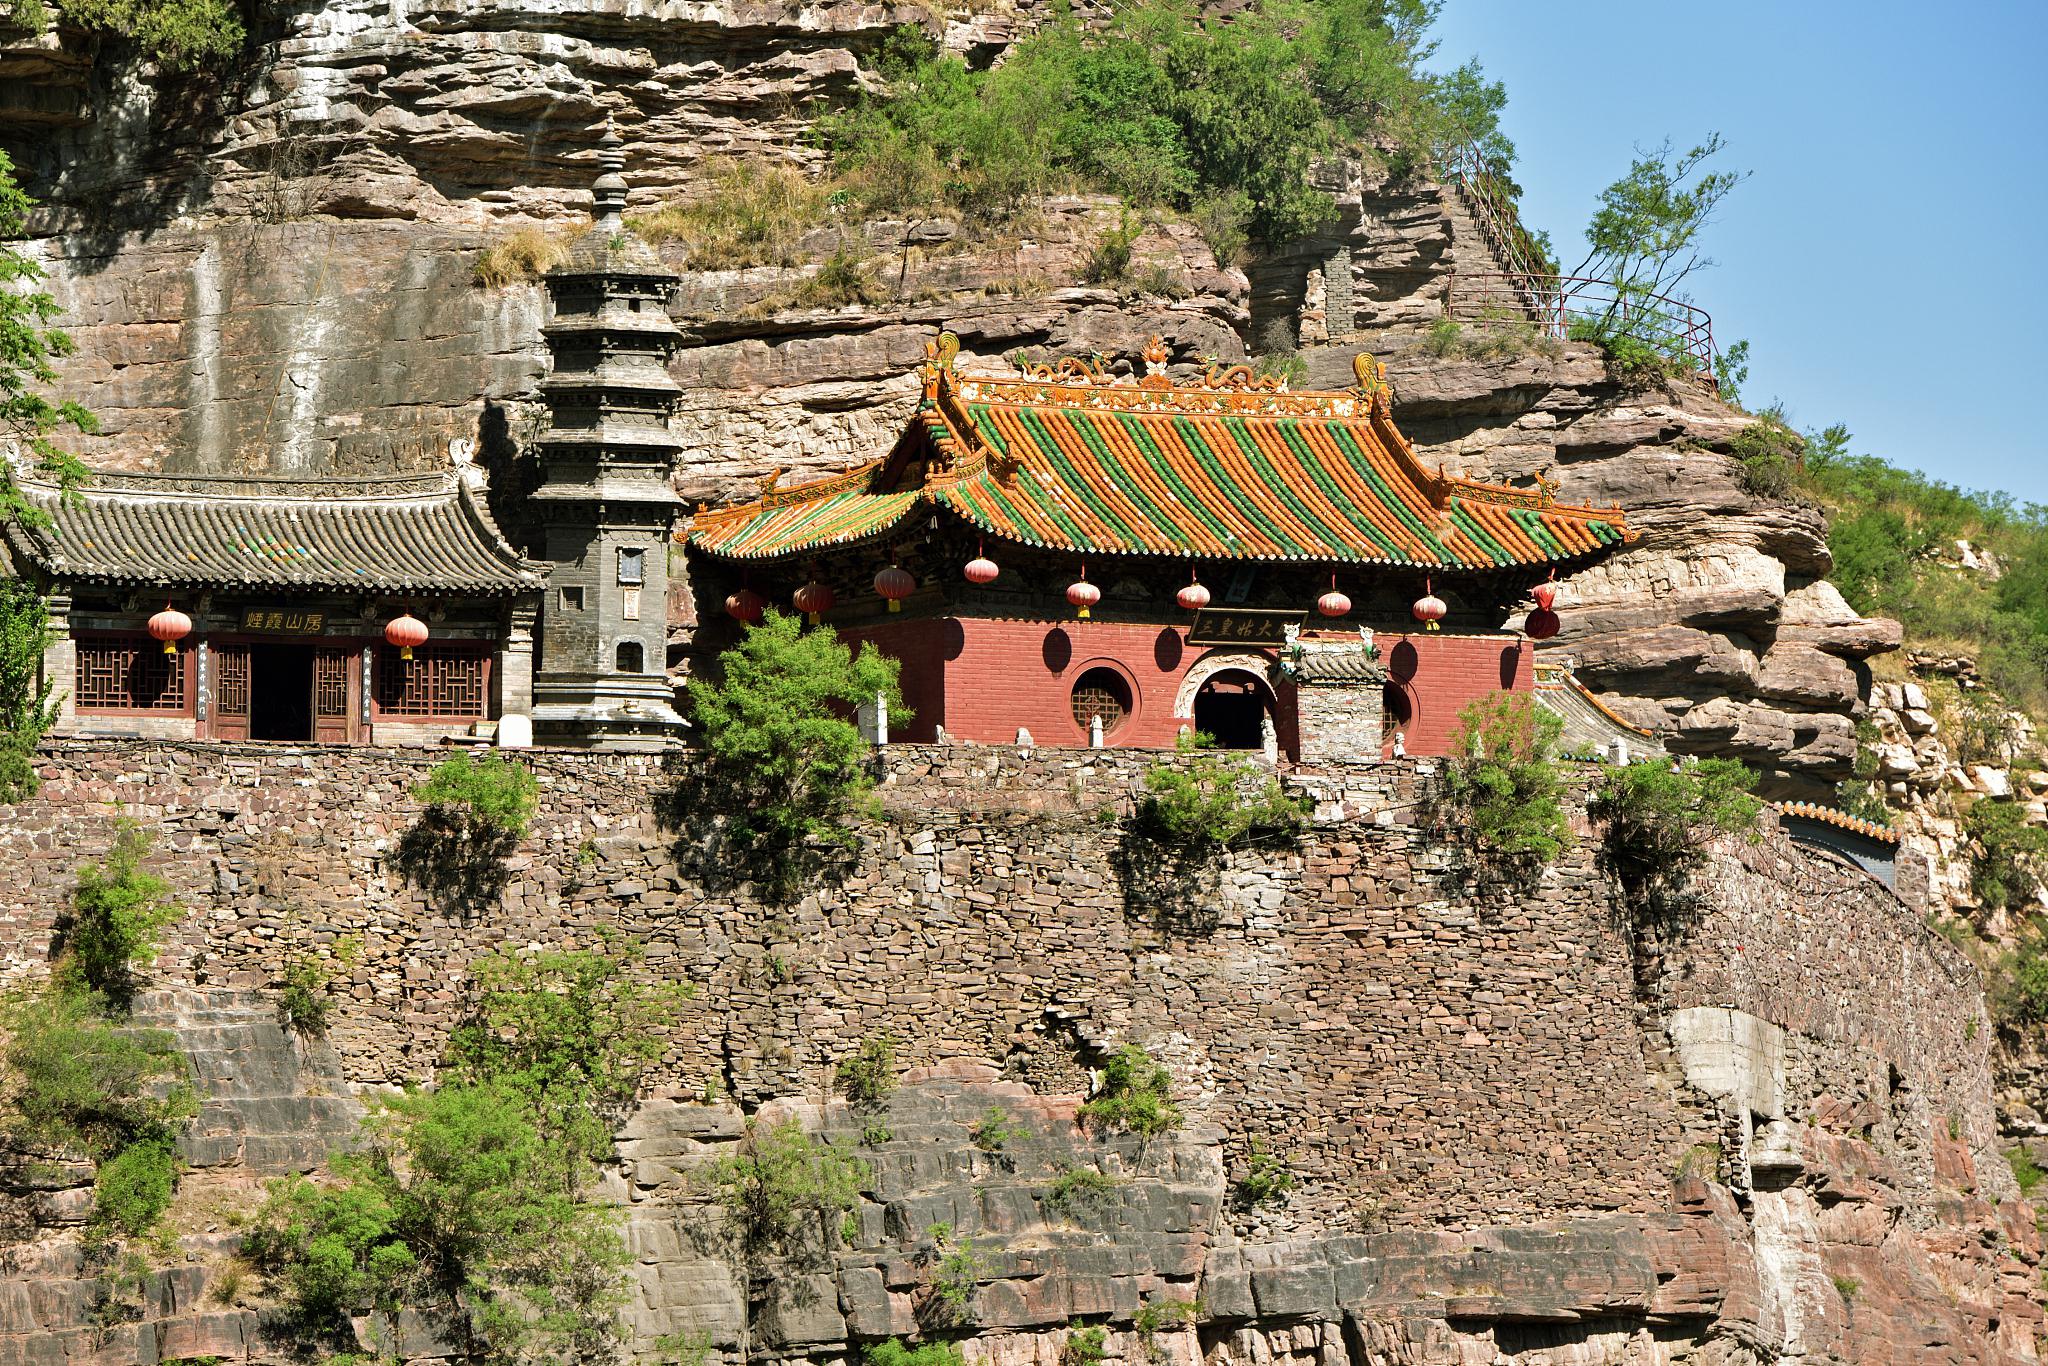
{"points": [[1136, 1095], [1501, 788], [116, 912], [492, 793], [453, 1205], [180, 35], [2006, 860], [29, 350], [1203, 800], [571, 1036], [787, 763], [1659, 815], [784, 1184]]}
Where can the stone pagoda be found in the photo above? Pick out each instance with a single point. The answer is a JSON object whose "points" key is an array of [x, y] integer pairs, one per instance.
{"points": [[606, 501]]}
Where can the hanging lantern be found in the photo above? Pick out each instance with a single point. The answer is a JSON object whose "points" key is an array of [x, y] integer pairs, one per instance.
{"points": [[746, 606], [1429, 608], [814, 599], [1083, 594], [980, 569], [1545, 594], [1194, 597], [405, 632], [895, 584], [170, 626], [1333, 603], [1542, 624]]}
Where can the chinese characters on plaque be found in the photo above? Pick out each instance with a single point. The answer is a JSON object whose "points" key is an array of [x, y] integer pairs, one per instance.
{"points": [[285, 620]]}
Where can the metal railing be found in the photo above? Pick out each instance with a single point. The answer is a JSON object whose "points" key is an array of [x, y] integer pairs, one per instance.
{"points": [[1561, 306], [1572, 307]]}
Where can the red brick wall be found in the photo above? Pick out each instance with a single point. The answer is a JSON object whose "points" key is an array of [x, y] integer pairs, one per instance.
{"points": [[982, 678]]}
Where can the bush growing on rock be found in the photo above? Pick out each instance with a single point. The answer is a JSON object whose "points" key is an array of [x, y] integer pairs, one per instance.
{"points": [[1659, 815], [1201, 799], [1136, 1095], [1501, 787], [2004, 862], [781, 1180], [491, 793], [116, 913]]}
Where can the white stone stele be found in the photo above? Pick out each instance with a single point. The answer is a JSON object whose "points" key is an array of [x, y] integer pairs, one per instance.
{"points": [[515, 732]]}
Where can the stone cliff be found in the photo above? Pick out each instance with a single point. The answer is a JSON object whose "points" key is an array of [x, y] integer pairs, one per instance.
{"points": [[1526, 1126]]}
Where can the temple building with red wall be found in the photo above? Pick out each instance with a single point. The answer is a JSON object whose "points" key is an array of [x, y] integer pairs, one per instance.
{"points": [[1071, 557]]}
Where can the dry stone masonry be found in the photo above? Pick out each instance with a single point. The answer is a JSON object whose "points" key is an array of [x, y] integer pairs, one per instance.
{"points": [[1503, 1105]]}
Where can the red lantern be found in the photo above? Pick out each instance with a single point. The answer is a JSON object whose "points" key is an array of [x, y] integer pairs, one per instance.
{"points": [[1194, 597], [746, 606], [814, 599], [1083, 594], [895, 584], [981, 569], [1542, 624], [1333, 604], [405, 632], [170, 626], [1429, 608], [1545, 594]]}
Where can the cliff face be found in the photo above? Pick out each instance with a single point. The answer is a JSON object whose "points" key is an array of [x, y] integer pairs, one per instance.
{"points": [[1525, 1125]]}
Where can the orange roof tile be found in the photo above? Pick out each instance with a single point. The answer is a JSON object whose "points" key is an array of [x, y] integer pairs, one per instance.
{"points": [[1233, 468]]}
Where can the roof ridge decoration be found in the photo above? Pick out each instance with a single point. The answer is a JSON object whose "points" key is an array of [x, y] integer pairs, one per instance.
{"points": [[1067, 455]]}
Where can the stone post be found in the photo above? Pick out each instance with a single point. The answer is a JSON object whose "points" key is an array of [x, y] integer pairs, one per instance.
{"points": [[60, 663], [515, 659]]}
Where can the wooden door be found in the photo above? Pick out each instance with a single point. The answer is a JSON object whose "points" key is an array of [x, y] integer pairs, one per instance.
{"points": [[230, 691], [334, 696]]}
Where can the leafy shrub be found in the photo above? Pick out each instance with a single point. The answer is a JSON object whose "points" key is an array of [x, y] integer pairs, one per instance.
{"points": [[455, 1202], [1220, 218], [1445, 338], [997, 1131], [2018, 987], [492, 794], [132, 1189], [2004, 867], [1660, 814], [1135, 1096], [2023, 1169], [1085, 1346], [1109, 260], [1771, 455], [1078, 1190], [302, 1000], [1157, 1315], [179, 35], [868, 1074], [1266, 1180], [1631, 361], [520, 256], [568, 1033], [955, 1279], [780, 1179], [786, 764], [116, 912], [893, 1352], [1501, 786], [1279, 357], [1201, 799]]}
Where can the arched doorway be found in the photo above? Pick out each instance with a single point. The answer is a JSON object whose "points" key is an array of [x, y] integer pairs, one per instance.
{"points": [[1232, 706]]}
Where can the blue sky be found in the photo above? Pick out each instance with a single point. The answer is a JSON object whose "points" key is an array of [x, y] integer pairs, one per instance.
{"points": [[1888, 258]]}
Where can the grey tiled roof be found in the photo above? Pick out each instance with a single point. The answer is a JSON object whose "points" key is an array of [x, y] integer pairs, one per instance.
{"points": [[414, 533]]}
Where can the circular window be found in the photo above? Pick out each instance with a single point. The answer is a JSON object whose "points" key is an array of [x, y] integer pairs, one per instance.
{"points": [[1101, 693]]}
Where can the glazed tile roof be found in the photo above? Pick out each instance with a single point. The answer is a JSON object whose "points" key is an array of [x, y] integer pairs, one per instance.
{"points": [[1234, 468], [413, 533], [1841, 820]]}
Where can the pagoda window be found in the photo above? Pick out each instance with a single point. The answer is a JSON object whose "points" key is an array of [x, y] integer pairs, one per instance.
{"points": [[131, 674], [439, 682], [632, 566], [631, 659]]}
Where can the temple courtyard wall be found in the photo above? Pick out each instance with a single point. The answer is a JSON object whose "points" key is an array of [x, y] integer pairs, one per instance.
{"points": [[1521, 1120]]}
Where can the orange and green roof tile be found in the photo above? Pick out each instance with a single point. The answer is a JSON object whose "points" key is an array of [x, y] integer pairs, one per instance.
{"points": [[1066, 458]]}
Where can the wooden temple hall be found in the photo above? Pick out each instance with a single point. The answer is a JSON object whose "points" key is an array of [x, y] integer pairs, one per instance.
{"points": [[1071, 557]]}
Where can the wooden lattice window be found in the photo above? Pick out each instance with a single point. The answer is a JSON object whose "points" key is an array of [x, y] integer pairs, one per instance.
{"points": [[436, 681], [330, 684], [1101, 693], [129, 675], [231, 682]]}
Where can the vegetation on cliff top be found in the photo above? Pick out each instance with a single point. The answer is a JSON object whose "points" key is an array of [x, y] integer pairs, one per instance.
{"points": [[179, 35], [1502, 790]]}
